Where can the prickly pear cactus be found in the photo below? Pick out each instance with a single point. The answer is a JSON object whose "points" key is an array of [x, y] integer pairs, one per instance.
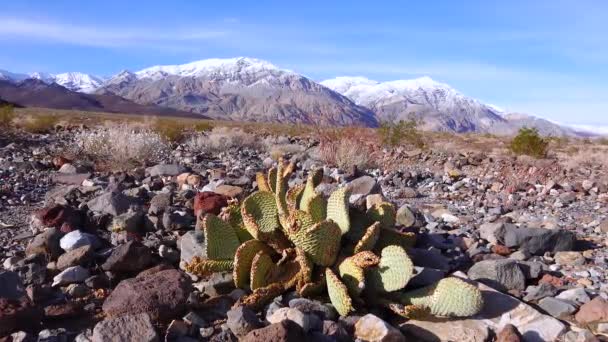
{"points": [[282, 238]]}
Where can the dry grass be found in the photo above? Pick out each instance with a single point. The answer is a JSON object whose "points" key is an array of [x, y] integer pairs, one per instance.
{"points": [[7, 116], [223, 138], [346, 148], [584, 156], [120, 146], [40, 123], [172, 130]]}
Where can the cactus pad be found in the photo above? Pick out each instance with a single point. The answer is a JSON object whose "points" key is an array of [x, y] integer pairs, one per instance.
{"points": [[393, 272], [316, 206], [450, 297], [262, 296], [320, 242], [272, 179], [390, 237], [293, 196], [352, 276], [260, 216], [204, 267], [337, 209], [369, 239], [338, 293], [384, 213], [262, 181], [221, 239], [243, 259], [232, 215], [262, 270]]}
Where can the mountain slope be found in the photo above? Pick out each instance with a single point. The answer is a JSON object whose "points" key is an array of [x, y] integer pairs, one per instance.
{"points": [[243, 89], [441, 107], [75, 81], [36, 93]]}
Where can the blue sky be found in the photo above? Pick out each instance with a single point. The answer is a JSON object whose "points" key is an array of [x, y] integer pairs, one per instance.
{"points": [[548, 58]]}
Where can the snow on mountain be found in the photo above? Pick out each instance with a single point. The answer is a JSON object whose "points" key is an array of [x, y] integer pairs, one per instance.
{"points": [[76, 81]]}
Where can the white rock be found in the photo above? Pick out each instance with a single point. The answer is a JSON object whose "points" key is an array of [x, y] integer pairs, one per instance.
{"points": [[76, 238], [291, 314], [577, 295], [75, 274], [373, 329]]}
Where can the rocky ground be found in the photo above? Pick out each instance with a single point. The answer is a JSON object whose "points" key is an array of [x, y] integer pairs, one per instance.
{"points": [[99, 256]]}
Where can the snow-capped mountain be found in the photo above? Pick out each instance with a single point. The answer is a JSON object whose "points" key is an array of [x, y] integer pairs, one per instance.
{"points": [[74, 81], [244, 89]]}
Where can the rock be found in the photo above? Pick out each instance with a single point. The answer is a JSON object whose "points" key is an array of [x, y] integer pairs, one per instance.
{"points": [[373, 199], [556, 307], [18, 314], [576, 295], [45, 243], [537, 241], [407, 192], [501, 274], [604, 226], [165, 170], [77, 290], [242, 320], [429, 258], [169, 254], [218, 283], [21, 336], [209, 202], [373, 329], [191, 244], [594, 311], [126, 328], [62, 311], [364, 185], [129, 257], [177, 220], [67, 168], [160, 203], [112, 203], [53, 335], [74, 274], [71, 178], [76, 239], [55, 216], [580, 336], [313, 307], [32, 273], [194, 180], [425, 276], [162, 295], [587, 184], [11, 287], [132, 222], [569, 258], [79, 256], [295, 315], [406, 217], [229, 191], [335, 331], [509, 334], [539, 292], [448, 330], [285, 331], [97, 281]]}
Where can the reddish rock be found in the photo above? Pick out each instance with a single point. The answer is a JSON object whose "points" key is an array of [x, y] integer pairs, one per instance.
{"points": [[58, 161], [285, 331], [162, 295], [18, 315], [553, 280], [209, 202], [509, 334], [60, 311], [501, 250], [593, 311], [57, 215], [75, 257]]}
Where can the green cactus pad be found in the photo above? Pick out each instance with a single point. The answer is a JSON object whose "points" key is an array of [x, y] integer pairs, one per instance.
{"points": [[393, 272], [262, 296], [384, 213], [281, 189], [450, 297], [316, 206], [338, 293], [368, 241], [321, 242], [337, 209], [389, 237], [243, 259], [262, 270], [314, 179], [232, 215], [221, 239], [204, 267], [260, 216], [352, 276], [262, 181]]}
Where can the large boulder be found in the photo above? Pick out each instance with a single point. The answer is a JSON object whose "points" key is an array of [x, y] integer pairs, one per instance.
{"points": [[166, 170], [537, 241], [162, 295], [45, 243], [113, 203], [129, 257], [209, 202], [501, 274]]}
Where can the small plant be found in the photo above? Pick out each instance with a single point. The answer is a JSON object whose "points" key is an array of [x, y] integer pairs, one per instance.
{"points": [[202, 126], [345, 148], [40, 123], [529, 142], [223, 138], [393, 134], [7, 115], [170, 129]]}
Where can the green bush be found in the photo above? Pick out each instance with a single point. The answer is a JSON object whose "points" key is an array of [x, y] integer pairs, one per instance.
{"points": [[40, 123], [203, 126], [529, 142], [170, 129], [394, 134], [7, 115]]}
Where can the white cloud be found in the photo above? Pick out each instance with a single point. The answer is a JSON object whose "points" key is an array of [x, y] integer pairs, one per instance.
{"points": [[46, 31]]}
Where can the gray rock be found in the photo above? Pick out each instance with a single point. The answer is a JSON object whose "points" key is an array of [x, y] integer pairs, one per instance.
{"points": [[131, 221], [126, 328], [425, 276], [556, 307], [113, 203], [501, 274], [75, 274], [160, 203], [45, 243], [406, 216], [295, 315], [315, 307], [241, 320], [218, 283], [569, 258], [192, 244], [373, 329], [11, 286], [577, 295], [492, 231], [540, 291], [537, 241], [166, 170], [129, 257], [79, 256], [364, 186]]}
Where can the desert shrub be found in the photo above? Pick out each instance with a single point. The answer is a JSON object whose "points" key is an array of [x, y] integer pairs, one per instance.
{"points": [[404, 131], [203, 126], [602, 141], [7, 115], [345, 148], [584, 157], [40, 123], [121, 146], [170, 129], [529, 142], [223, 138]]}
